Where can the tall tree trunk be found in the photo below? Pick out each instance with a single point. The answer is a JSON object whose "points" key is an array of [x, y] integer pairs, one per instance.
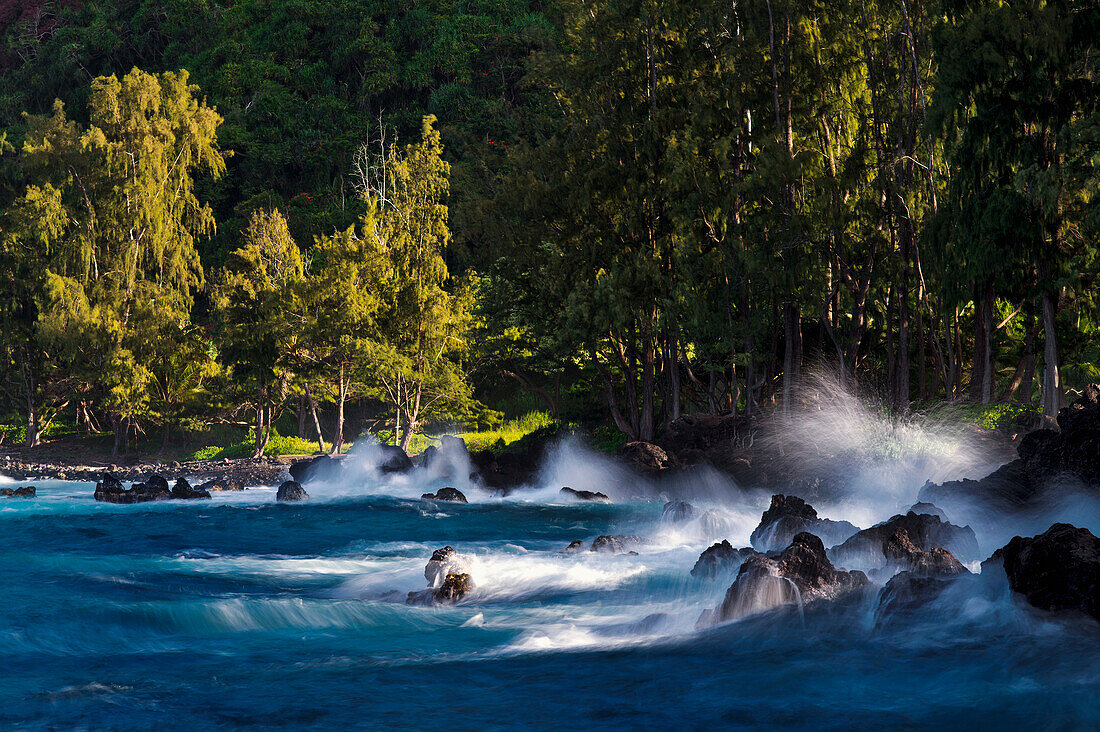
{"points": [[316, 421], [1029, 370], [341, 396], [1052, 383], [987, 349], [33, 434], [258, 447], [977, 372]]}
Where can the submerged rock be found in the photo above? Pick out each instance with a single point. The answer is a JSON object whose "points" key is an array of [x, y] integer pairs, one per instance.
{"points": [[586, 495], [446, 494], [616, 544], [1056, 570], [788, 516], [182, 490], [111, 490], [291, 490], [907, 593], [574, 546], [677, 511], [925, 531], [800, 575], [23, 492], [720, 558], [900, 552]]}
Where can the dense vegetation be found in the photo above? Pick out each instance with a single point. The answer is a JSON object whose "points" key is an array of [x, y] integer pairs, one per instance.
{"points": [[615, 210]]}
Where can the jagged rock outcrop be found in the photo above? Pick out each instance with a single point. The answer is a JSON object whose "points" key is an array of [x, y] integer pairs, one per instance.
{"points": [[1048, 460], [720, 558], [800, 575], [183, 491], [29, 491], [448, 493], [925, 531], [1056, 570], [574, 546], [615, 544], [790, 515], [291, 490], [646, 457], [675, 512], [929, 508], [901, 553], [585, 495]]}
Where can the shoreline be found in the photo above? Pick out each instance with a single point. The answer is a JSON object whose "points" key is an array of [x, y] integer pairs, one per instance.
{"points": [[250, 472]]}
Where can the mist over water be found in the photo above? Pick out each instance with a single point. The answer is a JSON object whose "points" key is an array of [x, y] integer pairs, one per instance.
{"points": [[242, 611]]}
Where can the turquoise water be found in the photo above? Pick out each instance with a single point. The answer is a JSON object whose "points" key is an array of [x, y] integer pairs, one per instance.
{"points": [[240, 612]]}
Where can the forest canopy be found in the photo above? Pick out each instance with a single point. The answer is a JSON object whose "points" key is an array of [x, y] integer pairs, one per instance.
{"points": [[619, 212]]}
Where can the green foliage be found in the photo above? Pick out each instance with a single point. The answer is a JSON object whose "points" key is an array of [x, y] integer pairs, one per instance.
{"points": [[276, 445]]}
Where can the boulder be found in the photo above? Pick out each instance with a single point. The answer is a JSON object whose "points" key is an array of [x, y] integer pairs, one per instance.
{"points": [[574, 546], [706, 438], [394, 460], [800, 575], [617, 544], [902, 554], [444, 562], [675, 512], [720, 558], [585, 495], [182, 490], [291, 490], [23, 492], [450, 447], [1047, 459], [1056, 570], [446, 494], [455, 587], [110, 490], [790, 515], [925, 531], [428, 456], [646, 457], [309, 469]]}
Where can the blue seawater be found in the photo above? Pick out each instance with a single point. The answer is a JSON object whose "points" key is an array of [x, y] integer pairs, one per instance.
{"points": [[242, 612]]}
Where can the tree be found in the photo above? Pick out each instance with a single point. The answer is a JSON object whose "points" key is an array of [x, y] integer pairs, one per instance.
{"points": [[113, 211], [260, 313], [420, 327]]}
